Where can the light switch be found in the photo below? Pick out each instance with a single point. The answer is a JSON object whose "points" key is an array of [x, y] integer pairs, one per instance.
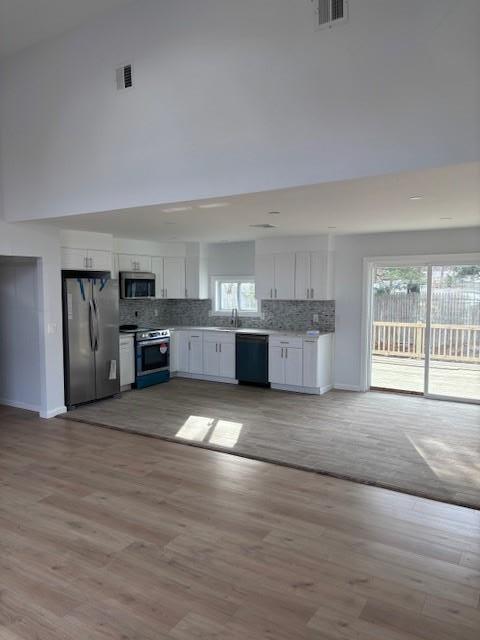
{"points": [[52, 328]]}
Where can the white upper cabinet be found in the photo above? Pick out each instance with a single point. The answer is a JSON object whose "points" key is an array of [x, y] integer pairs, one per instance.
{"points": [[313, 275], [127, 262], [157, 269], [174, 278], [86, 259], [196, 278], [275, 276]]}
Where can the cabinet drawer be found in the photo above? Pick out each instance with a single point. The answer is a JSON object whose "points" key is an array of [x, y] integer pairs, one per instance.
{"points": [[286, 341]]}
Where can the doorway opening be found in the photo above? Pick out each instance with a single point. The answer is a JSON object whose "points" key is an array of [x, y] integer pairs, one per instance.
{"points": [[425, 329]]}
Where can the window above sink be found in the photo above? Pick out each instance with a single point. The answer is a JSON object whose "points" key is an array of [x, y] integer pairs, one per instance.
{"points": [[234, 292]]}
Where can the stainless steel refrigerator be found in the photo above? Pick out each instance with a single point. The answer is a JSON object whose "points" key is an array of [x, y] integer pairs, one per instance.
{"points": [[90, 336]]}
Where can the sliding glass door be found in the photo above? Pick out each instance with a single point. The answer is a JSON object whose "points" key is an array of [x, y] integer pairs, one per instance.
{"points": [[398, 332], [425, 334], [454, 337]]}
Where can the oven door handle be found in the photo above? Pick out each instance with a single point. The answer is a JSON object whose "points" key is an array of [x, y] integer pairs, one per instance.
{"points": [[151, 343]]}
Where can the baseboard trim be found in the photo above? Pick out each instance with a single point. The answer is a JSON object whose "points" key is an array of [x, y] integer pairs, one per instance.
{"points": [[20, 405], [312, 391], [347, 387], [53, 412]]}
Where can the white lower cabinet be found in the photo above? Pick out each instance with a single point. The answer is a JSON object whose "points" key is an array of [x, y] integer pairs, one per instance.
{"points": [[189, 351], [127, 361], [286, 361], [301, 364], [219, 354]]}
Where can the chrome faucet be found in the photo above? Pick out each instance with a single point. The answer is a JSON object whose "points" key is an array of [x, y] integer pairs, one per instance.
{"points": [[235, 322]]}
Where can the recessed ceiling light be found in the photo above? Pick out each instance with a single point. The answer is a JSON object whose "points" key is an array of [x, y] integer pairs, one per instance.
{"points": [[213, 205], [416, 198], [176, 209], [332, 227]]}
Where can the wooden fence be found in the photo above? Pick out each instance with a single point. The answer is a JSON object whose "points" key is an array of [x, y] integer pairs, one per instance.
{"points": [[459, 343]]}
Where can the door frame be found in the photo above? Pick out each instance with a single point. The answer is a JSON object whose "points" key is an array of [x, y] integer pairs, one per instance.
{"points": [[424, 260]]}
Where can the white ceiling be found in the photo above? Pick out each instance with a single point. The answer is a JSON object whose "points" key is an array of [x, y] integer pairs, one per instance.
{"points": [[26, 22], [355, 206]]}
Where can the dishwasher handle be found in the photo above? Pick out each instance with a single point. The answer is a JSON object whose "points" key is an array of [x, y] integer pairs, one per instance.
{"points": [[251, 338]]}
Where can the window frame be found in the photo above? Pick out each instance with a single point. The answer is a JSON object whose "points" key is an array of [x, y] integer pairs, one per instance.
{"points": [[217, 280]]}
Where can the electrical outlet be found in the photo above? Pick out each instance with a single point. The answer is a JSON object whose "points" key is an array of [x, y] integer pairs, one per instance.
{"points": [[155, 313], [316, 317]]}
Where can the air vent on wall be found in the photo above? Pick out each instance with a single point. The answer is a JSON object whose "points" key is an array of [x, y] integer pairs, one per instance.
{"points": [[124, 76], [330, 12]]}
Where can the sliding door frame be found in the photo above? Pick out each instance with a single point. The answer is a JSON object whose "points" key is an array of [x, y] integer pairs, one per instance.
{"points": [[429, 261]]}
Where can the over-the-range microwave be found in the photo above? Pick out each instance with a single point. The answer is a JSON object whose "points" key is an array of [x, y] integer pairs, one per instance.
{"points": [[137, 285]]}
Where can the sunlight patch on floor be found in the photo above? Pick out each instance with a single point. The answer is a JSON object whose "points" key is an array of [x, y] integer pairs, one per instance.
{"points": [[447, 464], [224, 433]]}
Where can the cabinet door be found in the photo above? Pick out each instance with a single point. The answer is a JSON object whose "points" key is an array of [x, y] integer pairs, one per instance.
{"points": [[174, 355], [293, 366], [264, 277], [73, 258], [143, 263], [276, 369], [319, 286], [157, 269], [183, 351], [100, 260], [210, 358], [302, 276], [174, 278], [227, 360], [284, 276], [127, 363], [310, 363], [195, 353], [126, 262]]}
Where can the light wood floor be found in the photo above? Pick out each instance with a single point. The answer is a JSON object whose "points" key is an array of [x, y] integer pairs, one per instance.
{"points": [[106, 535], [425, 447]]}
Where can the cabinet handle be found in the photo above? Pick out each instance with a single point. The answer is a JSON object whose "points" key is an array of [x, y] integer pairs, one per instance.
{"points": [[308, 294], [220, 347], [281, 352], [91, 263], [216, 348], [286, 353], [271, 293], [186, 293], [312, 294], [189, 345], [166, 293], [275, 293]]}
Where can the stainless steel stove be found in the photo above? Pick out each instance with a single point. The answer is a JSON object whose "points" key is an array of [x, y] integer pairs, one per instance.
{"points": [[152, 357]]}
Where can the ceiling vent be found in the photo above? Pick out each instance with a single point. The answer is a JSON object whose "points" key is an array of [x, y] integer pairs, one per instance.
{"points": [[330, 12], [124, 77], [263, 226]]}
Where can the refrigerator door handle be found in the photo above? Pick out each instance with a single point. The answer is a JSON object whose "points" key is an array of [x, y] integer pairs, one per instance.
{"points": [[91, 326], [97, 325]]}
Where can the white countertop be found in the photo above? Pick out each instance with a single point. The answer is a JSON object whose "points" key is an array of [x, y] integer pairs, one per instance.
{"points": [[262, 332]]}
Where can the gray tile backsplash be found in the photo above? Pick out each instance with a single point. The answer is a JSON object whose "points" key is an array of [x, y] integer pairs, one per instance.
{"points": [[291, 315]]}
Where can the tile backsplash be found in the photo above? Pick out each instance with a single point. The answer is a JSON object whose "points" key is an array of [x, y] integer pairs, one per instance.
{"points": [[291, 315]]}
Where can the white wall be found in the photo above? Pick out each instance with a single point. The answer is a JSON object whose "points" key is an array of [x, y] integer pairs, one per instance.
{"points": [[19, 334], [234, 97], [43, 243], [231, 259], [349, 254]]}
